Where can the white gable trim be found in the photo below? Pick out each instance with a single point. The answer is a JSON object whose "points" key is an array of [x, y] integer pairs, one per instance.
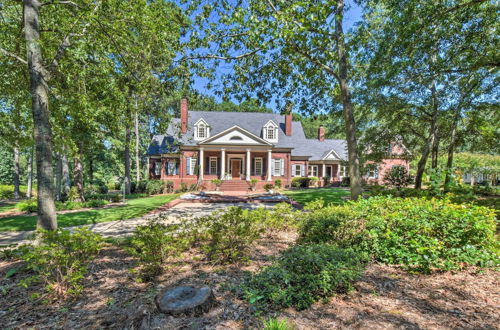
{"points": [[332, 155], [237, 136], [206, 127]]}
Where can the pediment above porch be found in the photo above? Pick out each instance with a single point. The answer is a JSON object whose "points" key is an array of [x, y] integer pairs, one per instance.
{"points": [[235, 136], [331, 155]]}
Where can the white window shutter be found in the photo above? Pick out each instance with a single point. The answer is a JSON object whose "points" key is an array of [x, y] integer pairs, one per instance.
{"points": [[302, 170], [293, 169], [272, 167], [282, 166], [188, 166]]}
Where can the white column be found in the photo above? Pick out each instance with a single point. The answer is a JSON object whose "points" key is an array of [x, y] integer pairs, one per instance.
{"points": [[248, 165], [324, 170], [222, 163], [202, 163], [269, 159]]}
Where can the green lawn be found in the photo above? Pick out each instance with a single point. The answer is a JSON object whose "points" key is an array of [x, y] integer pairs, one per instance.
{"points": [[134, 208], [6, 206], [329, 195]]}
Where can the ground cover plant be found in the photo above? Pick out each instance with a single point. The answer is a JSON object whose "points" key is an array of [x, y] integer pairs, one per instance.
{"points": [[31, 205], [303, 275], [420, 234], [135, 207], [60, 260], [329, 195]]}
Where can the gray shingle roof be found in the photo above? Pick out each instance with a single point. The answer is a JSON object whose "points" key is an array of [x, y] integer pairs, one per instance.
{"points": [[250, 121]]}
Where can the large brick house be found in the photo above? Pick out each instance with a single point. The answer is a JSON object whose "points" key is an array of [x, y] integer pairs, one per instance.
{"points": [[238, 146]]}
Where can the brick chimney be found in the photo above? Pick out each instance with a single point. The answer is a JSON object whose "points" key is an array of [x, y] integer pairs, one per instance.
{"points": [[184, 115], [321, 133], [288, 124]]}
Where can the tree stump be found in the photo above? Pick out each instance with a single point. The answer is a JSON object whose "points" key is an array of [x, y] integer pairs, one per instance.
{"points": [[188, 300]]}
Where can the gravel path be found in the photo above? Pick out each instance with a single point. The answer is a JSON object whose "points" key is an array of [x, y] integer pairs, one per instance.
{"points": [[123, 228]]}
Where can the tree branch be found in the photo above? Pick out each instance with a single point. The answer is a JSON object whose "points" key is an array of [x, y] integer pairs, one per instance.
{"points": [[217, 57], [316, 61], [61, 3], [17, 57]]}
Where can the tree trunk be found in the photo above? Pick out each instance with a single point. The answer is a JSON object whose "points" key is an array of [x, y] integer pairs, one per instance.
{"points": [[126, 153], [58, 177], [30, 174], [435, 153], [451, 150], [17, 192], [430, 140], [78, 177], [350, 124], [91, 168], [137, 156], [46, 217], [65, 176]]}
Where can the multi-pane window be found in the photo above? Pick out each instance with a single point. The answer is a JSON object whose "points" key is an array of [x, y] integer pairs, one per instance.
{"points": [[270, 133], [157, 168], [194, 161], [172, 167], [343, 171], [313, 170], [213, 165], [277, 167], [201, 131], [258, 165], [297, 170], [372, 171]]}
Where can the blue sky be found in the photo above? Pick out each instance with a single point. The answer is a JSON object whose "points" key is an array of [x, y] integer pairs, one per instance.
{"points": [[353, 15]]}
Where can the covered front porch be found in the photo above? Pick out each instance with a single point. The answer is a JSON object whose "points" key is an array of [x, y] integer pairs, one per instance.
{"points": [[231, 163]]}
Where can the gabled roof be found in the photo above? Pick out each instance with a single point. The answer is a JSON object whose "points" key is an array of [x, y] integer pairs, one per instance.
{"points": [[252, 123], [244, 137]]}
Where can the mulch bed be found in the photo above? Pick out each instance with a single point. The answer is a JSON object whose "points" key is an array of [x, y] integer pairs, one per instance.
{"points": [[385, 298]]}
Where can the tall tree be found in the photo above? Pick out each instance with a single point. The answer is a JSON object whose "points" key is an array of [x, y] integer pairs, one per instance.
{"points": [[293, 51]]}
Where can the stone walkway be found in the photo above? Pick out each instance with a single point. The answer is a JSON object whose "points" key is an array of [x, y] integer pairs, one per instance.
{"points": [[121, 228]]}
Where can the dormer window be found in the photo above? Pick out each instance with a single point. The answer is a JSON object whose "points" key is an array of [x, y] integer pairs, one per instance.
{"points": [[270, 131], [201, 130]]}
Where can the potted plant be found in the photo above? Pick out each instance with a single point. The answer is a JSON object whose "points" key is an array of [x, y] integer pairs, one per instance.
{"points": [[217, 183], [268, 187], [253, 183], [277, 184]]}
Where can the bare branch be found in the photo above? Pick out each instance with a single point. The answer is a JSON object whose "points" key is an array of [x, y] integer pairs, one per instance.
{"points": [[17, 57], [217, 57]]}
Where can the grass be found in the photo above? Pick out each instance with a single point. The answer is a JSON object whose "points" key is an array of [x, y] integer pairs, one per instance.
{"points": [[6, 206], [134, 208], [329, 195]]}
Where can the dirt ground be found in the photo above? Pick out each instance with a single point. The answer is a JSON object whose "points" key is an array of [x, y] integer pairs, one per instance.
{"points": [[385, 298]]}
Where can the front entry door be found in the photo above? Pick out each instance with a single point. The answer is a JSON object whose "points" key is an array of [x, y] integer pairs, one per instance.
{"points": [[235, 168]]}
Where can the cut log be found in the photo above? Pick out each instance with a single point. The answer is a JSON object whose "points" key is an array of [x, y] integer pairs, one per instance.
{"points": [[187, 300]]}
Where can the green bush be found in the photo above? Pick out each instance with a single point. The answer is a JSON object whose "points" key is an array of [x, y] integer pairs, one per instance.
{"points": [[226, 236], [278, 183], [153, 244], [7, 191], [275, 324], [268, 187], [398, 177], [304, 275], [60, 260], [95, 203], [301, 182], [29, 205], [155, 187], [420, 234], [346, 182], [282, 216], [93, 189]]}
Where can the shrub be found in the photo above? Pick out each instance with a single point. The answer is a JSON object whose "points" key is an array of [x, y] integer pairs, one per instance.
{"points": [[183, 188], [217, 182], [60, 260], [346, 182], [95, 203], [420, 234], [253, 183], [268, 187], [277, 183], [153, 244], [154, 187], [73, 194], [304, 275], [275, 324], [7, 191], [226, 235], [282, 216], [326, 181], [313, 180], [169, 186], [94, 189], [398, 177], [29, 205]]}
